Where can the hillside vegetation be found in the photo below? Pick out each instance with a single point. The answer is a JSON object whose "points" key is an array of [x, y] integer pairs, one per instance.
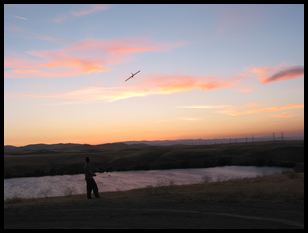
{"points": [[59, 159]]}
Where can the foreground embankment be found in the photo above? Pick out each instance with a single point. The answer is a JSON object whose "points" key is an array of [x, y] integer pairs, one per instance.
{"points": [[265, 202]]}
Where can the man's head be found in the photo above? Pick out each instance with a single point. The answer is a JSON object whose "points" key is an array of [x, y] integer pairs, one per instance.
{"points": [[87, 159]]}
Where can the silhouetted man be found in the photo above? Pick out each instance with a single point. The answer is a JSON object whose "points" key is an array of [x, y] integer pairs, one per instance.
{"points": [[91, 184]]}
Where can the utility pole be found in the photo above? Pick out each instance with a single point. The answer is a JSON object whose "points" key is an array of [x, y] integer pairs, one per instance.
{"points": [[274, 138]]}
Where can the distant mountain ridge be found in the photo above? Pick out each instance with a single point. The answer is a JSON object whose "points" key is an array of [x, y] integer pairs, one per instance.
{"points": [[60, 147], [211, 141], [51, 148]]}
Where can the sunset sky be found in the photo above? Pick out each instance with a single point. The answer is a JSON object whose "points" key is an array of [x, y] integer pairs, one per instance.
{"points": [[207, 71]]}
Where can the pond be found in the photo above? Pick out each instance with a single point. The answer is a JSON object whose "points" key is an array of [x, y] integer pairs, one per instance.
{"points": [[49, 186]]}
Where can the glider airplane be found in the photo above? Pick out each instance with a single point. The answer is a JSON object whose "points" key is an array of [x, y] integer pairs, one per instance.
{"points": [[132, 75]]}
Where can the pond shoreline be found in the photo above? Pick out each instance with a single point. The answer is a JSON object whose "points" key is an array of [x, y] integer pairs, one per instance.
{"points": [[48, 186]]}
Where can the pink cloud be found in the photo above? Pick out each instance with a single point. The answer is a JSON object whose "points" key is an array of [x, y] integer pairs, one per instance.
{"points": [[155, 85], [93, 8], [179, 83], [261, 71], [54, 68], [88, 56]]}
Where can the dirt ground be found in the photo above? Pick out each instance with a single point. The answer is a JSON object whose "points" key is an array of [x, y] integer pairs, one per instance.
{"points": [[138, 209]]}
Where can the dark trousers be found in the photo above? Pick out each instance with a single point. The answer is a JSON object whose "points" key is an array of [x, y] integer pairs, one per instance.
{"points": [[91, 185]]}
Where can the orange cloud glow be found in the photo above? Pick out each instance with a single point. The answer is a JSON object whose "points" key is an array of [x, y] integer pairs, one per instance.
{"points": [[88, 56], [205, 106], [231, 110], [179, 83], [162, 85], [154, 85], [283, 115]]}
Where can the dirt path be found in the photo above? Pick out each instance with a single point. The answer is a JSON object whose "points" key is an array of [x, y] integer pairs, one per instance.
{"points": [[153, 213]]}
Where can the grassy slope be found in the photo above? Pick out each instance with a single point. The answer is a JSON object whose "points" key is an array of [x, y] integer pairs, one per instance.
{"points": [[141, 157]]}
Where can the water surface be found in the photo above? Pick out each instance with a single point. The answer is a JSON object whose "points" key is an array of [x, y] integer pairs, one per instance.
{"points": [[49, 186]]}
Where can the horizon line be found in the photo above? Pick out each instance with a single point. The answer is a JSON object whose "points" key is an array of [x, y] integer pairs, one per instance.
{"points": [[276, 137]]}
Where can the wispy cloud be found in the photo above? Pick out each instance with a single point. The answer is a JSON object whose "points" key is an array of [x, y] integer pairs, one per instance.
{"points": [[24, 33], [80, 58], [189, 119], [273, 74], [240, 111], [180, 83], [20, 17], [81, 12], [46, 38], [154, 85], [205, 106], [249, 109], [283, 115], [90, 10], [290, 73]]}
